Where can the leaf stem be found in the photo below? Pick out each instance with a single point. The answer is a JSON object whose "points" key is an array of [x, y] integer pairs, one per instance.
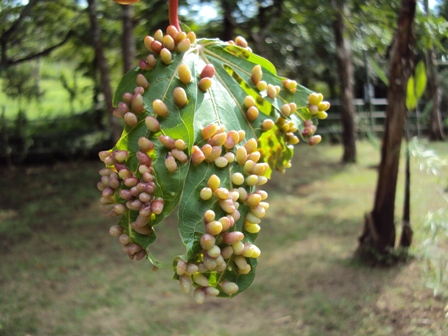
{"points": [[173, 15]]}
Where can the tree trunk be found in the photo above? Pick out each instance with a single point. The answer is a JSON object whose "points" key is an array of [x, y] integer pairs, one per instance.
{"points": [[345, 75], [433, 92], [407, 232], [228, 27], [101, 63], [128, 41], [378, 237]]}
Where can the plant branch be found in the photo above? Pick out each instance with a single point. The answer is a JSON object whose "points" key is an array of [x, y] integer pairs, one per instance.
{"points": [[173, 14], [44, 52]]}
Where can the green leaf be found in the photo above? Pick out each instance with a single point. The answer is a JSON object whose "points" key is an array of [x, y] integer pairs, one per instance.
{"points": [[420, 79], [222, 105], [411, 99], [379, 72]]}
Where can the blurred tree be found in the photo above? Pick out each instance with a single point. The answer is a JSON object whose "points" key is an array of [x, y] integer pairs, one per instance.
{"points": [[345, 76], [103, 68], [433, 91], [378, 237], [128, 40], [38, 18]]}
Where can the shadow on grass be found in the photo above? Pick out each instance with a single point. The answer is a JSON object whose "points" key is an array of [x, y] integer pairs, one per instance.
{"points": [[307, 282]]}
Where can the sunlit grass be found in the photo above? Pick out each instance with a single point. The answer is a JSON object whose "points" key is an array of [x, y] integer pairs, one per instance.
{"points": [[62, 274], [55, 101]]}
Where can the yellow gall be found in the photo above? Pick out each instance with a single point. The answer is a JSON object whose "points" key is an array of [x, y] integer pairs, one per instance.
{"points": [[205, 84], [130, 119], [253, 200], [230, 157], [209, 131], [256, 75], [241, 42], [142, 81], [314, 140], [260, 168], [229, 288], [221, 162], [241, 155], [206, 193], [213, 227], [267, 125], [172, 31], [184, 45], [322, 115], [151, 61], [232, 139], [262, 85], [179, 155], [286, 110], [315, 98], [293, 107], [166, 56], [209, 216], [271, 91], [237, 178], [152, 124], [252, 180], [251, 228], [180, 37], [213, 182], [184, 74], [254, 156], [191, 36], [168, 43], [290, 85], [148, 41], [241, 135], [252, 113], [180, 96], [249, 101], [216, 152], [222, 193], [323, 106], [207, 150], [313, 109], [251, 145], [160, 108], [158, 35], [170, 164], [197, 156], [218, 139], [249, 166], [262, 180]]}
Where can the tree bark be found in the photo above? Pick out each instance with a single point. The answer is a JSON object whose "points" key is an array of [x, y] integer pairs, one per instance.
{"points": [[101, 63], [378, 237], [128, 41], [433, 92], [228, 27], [345, 75]]}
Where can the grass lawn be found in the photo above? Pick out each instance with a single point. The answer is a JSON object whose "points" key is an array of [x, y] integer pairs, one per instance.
{"points": [[62, 274], [55, 100]]}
